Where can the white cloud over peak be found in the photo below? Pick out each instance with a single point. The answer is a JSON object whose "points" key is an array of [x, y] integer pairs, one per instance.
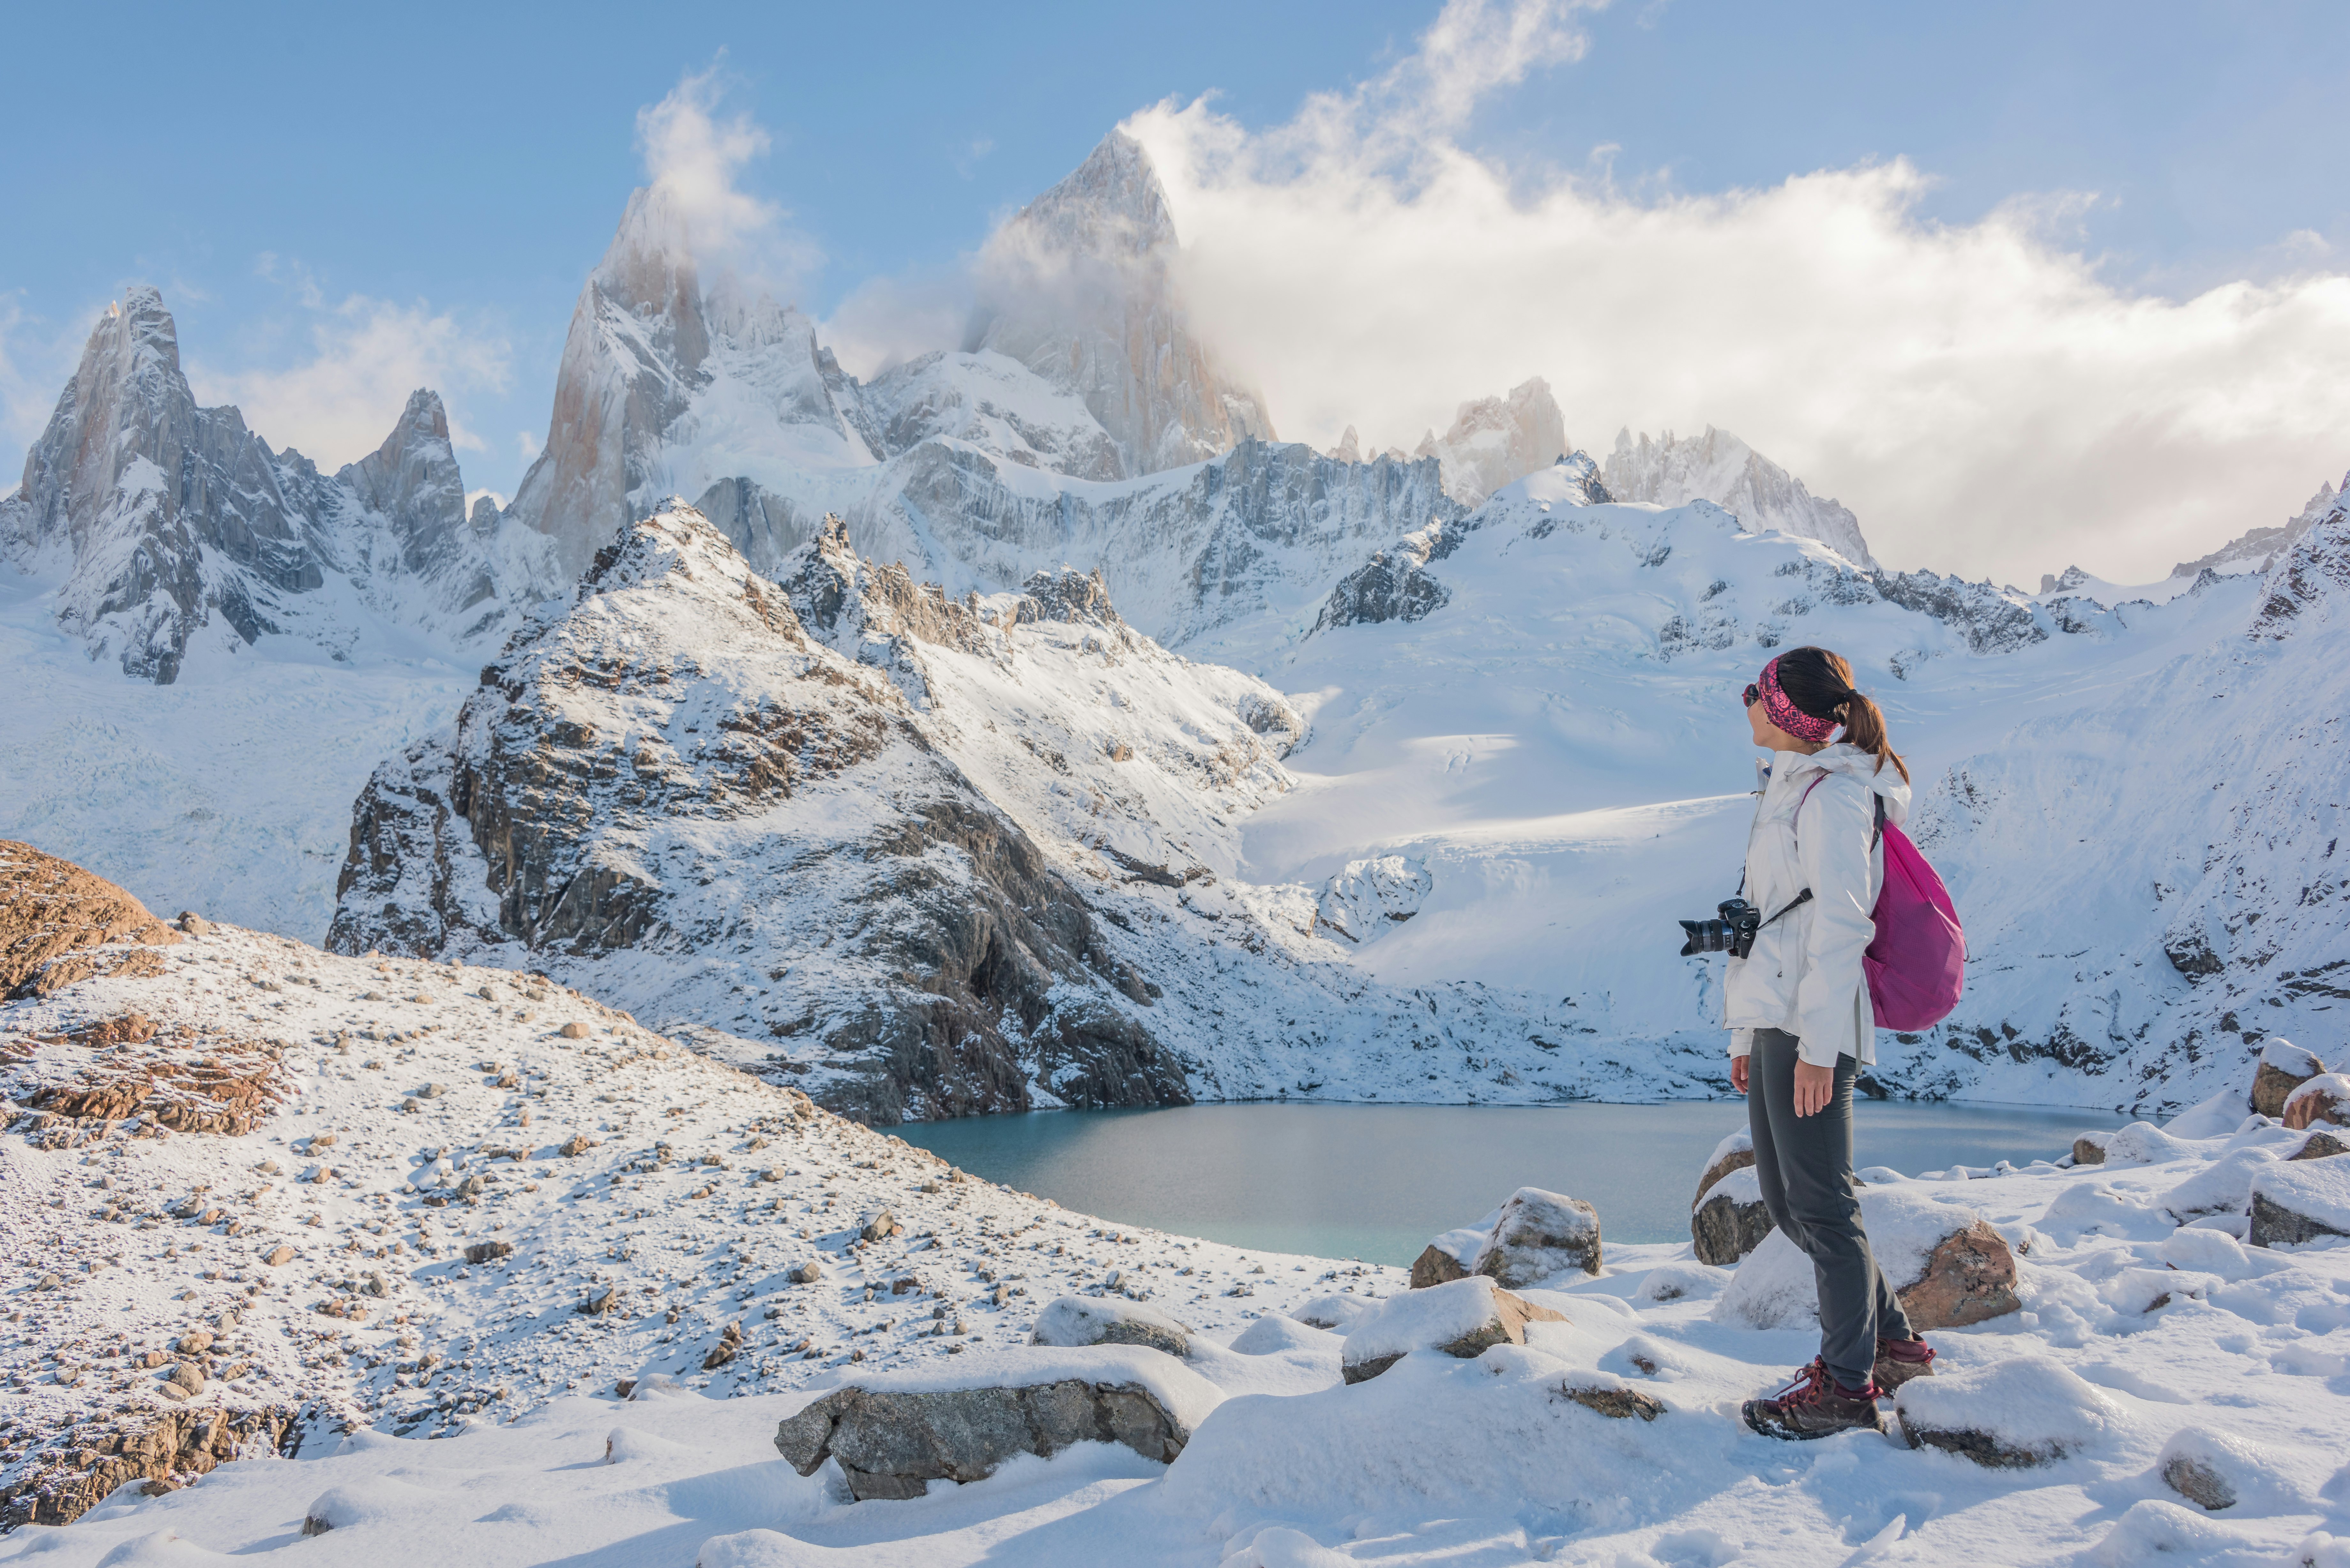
{"points": [[698, 161], [1978, 393], [338, 402]]}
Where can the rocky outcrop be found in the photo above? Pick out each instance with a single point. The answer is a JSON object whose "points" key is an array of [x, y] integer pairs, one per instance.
{"points": [[681, 730], [166, 1449], [1462, 1317], [53, 913], [891, 1440], [1435, 1265], [1393, 585]]}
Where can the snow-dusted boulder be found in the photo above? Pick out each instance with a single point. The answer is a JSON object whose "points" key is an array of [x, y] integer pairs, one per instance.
{"points": [[2321, 1100], [2293, 1201], [2285, 1067], [2321, 1145], [2217, 1469], [1335, 1312], [1736, 1152], [2030, 1410], [1462, 1317], [1539, 1235], [2222, 1187], [1072, 1322], [1369, 896], [1274, 1332], [894, 1433], [1729, 1220], [1949, 1267]]}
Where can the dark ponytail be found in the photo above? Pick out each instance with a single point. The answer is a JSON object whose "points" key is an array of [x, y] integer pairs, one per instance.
{"points": [[1820, 683]]}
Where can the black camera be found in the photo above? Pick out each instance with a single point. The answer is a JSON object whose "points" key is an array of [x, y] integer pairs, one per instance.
{"points": [[1733, 933]]}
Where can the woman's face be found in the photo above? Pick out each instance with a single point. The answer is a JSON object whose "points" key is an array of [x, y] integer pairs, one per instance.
{"points": [[1769, 736]]}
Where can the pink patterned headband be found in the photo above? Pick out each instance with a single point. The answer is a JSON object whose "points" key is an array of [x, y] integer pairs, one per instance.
{"points": [[1786, 714]]}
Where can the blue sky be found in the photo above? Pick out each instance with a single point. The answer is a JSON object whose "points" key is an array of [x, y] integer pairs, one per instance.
{"points": [[422, 190]]}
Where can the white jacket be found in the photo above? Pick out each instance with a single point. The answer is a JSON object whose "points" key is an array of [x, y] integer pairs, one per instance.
{"points": [[1804, 975]]}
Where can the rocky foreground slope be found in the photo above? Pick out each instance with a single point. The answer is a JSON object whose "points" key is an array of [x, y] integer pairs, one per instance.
{"points": [[255, 1196]]}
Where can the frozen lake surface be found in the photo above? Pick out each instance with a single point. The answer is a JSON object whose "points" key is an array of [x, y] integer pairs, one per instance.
{"points": [[1375, 1182]]}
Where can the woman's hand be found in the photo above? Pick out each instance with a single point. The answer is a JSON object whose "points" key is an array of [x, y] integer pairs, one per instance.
{"points": [[1814, 1087], [1738, 1073]]}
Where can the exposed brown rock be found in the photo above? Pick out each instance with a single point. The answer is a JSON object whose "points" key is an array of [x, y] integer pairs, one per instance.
{"points": [[2320, 1101], [2321, 1145], [729, 1345], [51, 908], [1968, 1278], [1435, 1266], [2273, 1085], [2087, 1150], [1616, 1404], [1506, 1324], [166, 1451]]}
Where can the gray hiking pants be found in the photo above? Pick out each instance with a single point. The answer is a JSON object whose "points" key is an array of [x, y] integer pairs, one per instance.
{"points": [[1805, 1164]]}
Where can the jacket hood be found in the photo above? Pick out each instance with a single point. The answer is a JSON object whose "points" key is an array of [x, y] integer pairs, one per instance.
{"points": [[1850, 760]]}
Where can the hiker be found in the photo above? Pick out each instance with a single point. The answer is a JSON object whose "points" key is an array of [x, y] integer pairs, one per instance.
{"points": [[1801, 1023]]}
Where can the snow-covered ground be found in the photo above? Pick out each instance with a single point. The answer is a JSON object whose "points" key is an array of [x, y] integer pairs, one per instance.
{"points": [[692, 1190], [229, 791]]}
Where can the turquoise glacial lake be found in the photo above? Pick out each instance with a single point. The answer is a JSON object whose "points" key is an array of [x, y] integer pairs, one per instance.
{"points": [[1375, 1182]]}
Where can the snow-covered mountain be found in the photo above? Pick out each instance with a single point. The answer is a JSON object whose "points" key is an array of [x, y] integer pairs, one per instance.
{"points": [[1719, 467], [1079, 289], [161, 522]]}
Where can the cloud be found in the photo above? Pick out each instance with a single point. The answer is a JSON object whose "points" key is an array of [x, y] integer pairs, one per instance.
{"points": [[886, 321], [697, 159], [527, 443], [1978, 393], [363, 357], [36, 359]]}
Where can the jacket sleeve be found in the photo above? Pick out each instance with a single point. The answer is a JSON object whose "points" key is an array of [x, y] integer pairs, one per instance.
{"points": [[1833, 850], [1742, 1042]]}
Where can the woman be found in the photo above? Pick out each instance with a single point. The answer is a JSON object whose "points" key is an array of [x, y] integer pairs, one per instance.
{"points": [[1801, 1026]]}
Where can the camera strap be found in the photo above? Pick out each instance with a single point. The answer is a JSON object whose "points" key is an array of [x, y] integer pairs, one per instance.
{"points": [[1804, 896]]}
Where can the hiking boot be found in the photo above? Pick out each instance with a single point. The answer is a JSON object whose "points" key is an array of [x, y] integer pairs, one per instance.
{"points": [[1814, 1406], [1900, 1360]]}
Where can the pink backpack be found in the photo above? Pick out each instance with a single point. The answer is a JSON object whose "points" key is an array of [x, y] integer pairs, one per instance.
{"points": [[1917, 964]]}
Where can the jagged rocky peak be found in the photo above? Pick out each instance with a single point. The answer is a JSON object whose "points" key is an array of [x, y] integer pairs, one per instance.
{"points": [[672, 381], [1719, 467], [673, 790], [1078, 288], [2305, 584], [164, 519], [1349, 448], [1496, 440]]}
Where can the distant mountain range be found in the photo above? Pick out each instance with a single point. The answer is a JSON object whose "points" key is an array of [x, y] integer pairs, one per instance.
{"points": [[1027, 725]]}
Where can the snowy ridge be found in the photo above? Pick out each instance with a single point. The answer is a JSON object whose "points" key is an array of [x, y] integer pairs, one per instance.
{"points": [[1719, 467]]}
